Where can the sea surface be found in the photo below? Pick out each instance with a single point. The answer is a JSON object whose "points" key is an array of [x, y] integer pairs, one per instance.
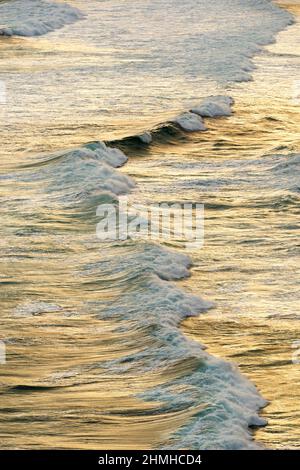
{"points": [[142, 344]]}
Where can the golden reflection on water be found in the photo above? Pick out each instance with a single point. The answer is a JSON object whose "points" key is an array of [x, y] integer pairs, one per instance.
{"points": [[90, 408]]}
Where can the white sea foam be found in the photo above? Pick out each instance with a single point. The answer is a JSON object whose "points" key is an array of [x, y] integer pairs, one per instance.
{"points": [[229, 401], [190, 122], [28, 309], [35, 17], [83, 174], [146, 137], [83, 177], [166, 264], [112, 156], [214, 106]]}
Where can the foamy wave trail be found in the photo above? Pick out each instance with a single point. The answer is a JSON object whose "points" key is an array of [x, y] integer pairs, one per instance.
{"points": [[35, 17], [213, 393], [214, 106], [188, 121], [217, 396], [75, 181], [211, 107]]}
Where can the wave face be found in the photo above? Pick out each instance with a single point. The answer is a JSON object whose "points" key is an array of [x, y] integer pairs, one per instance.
{"points": [[35, 17]]}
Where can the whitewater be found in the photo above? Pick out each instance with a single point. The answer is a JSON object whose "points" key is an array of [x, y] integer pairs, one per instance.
{"points": [[100, 323]]}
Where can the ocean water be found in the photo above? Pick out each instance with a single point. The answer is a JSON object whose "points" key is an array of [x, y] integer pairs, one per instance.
{"points": [[96, 357]]}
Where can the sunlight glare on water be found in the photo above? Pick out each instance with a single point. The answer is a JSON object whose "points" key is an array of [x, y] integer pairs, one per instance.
{"points": [[94, 354]]}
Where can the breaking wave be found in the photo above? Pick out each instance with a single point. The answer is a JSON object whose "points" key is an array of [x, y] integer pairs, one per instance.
{"points": [[35, 17], [207, 389]]}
